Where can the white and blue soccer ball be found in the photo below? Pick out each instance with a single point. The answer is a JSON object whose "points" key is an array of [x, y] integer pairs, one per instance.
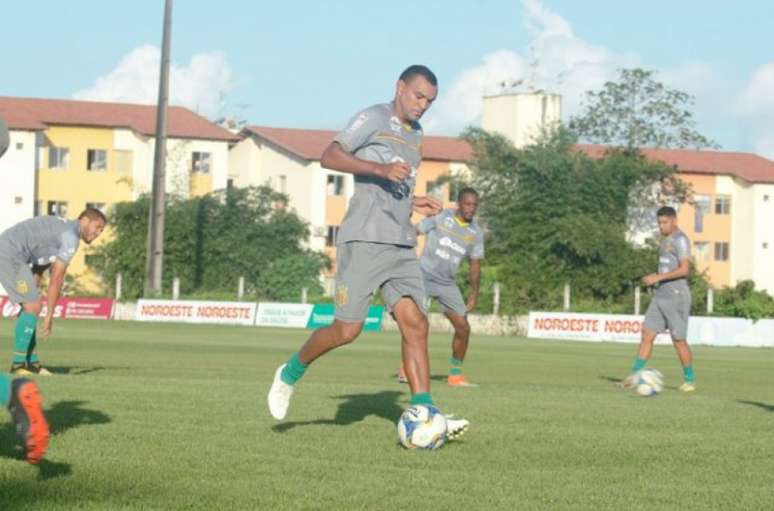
{"points": [[649, 382], [422, 427]]}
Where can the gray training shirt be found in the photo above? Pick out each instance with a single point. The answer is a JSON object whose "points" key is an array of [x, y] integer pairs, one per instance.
{"points": [[380, 210], [673, 249], [41, 240], [448, 242]]}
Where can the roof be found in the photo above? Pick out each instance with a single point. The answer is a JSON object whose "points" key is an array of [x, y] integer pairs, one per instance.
{"points": [[310, 144], [747, 166], [39, 114]]}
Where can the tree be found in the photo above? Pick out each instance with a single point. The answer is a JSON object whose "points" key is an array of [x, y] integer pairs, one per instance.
{"points": [[213, 240], [637, 112], [555, 215]]}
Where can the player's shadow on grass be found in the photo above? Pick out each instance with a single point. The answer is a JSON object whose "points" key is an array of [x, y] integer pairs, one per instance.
{"points": [[355, 408], [768, 408], [77, 370], [61, 416]]}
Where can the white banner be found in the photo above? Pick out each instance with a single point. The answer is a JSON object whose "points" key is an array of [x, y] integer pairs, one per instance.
{"points": [[628, 328], [295, 315], [190, 311]]}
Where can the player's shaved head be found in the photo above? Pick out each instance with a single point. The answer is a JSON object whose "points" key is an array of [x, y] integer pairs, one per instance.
{"points": [[415, 70], [667, 211]]}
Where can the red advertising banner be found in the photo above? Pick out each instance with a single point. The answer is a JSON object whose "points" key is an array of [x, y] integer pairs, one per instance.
{"points": [[68, 308]]}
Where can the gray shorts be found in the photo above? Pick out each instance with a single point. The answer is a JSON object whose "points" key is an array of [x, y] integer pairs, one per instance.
{"points": [[364, 267], [670, 311], [17, 280], [448, 295]]}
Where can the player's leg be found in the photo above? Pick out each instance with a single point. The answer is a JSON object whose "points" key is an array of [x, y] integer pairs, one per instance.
{"points": [[33, 360], [18, 281], [654, 323], [353, 297], [23, 400], [454, 308], [677, 322]]}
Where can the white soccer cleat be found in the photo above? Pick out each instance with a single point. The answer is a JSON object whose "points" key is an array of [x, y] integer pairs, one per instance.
{"points": [[279, 396], [455, 428], [687, 387]]}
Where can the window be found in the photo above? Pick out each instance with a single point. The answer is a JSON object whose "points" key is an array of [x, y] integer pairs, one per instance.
{"points": [[97, 205], [96, 159], [765, 198], [229, 183], [56, 208], [18, 199], [722, 205], [282, 184], [333, 233], [701, 251], [765, 245], [58, 157], [721, 251], [122, 161], [200, 162], [335, 184], [19, 146], [702, 207]]}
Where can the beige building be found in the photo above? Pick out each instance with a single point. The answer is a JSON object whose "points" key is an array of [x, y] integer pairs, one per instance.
{"points": [[521, 116]]}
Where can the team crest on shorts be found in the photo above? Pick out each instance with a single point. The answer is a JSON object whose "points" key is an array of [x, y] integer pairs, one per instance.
{"points": [[342, 296], [22, 287]]}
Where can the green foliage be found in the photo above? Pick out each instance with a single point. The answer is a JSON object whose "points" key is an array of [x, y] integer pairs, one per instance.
{"points": [[638, 111], [211, 241], [556, 216], [744, 301]]}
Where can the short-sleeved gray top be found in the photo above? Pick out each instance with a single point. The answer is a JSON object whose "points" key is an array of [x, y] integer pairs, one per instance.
{"points": [[41, 240], [380, 210], [448, 241], [673, 249]]}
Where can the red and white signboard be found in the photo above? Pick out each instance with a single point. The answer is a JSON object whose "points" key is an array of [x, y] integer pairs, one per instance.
{"points": [[588, 327], [68, 308], [190, 311]]}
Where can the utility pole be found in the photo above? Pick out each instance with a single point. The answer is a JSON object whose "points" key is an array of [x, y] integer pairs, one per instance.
{"points": [[155, 245]]}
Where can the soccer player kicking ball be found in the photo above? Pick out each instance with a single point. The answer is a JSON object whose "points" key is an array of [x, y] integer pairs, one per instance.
{"points": [[381, 146], [452, 236], [21, 396], [671, 305]]}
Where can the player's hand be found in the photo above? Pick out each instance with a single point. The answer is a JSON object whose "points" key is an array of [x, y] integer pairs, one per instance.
{"points": [[472, 301], [47, 326], [427, 206], [650, 280], [396, 172]]}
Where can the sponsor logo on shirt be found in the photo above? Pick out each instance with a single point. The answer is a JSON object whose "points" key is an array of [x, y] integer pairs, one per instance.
{"points": [[449, 243]]}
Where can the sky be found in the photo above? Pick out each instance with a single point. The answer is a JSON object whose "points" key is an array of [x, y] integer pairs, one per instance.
{"points": [[313, 64]]}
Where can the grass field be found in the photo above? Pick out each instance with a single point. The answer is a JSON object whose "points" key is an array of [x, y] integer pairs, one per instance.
{"points": [[162, 416]]}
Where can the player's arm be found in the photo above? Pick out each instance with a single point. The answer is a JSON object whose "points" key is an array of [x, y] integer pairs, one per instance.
{"points": [[680, 272], [335, 157], [55, 283], [475, 280]]}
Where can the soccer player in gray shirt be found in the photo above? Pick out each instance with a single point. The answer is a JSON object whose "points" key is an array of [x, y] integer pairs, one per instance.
{"points": [[381, 146], [450, 237], [671, 305]]}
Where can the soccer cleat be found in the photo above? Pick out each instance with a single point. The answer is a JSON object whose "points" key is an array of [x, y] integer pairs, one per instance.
{"points": [[402, 378], [458, 380], [37, 368], [20, 369], [455, 428], [279, 396], [27, 414], [688, 386]]}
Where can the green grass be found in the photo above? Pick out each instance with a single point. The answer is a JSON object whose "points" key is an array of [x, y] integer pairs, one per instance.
{"points": [[161, 416]]}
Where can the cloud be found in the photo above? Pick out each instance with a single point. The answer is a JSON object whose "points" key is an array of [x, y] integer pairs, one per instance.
{"points": [[556, 60], [199, 86], [756, 107]]}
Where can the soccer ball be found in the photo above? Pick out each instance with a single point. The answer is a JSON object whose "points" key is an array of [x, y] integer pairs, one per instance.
{"points": [[649, 382], [422, 427]]}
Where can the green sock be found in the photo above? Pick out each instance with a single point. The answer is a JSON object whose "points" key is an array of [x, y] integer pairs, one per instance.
{"points": [[23, 334], [421, 398], [32, 356], [293, 370], [456, 366], [5, 390], [688, 374], [639, 363]]}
